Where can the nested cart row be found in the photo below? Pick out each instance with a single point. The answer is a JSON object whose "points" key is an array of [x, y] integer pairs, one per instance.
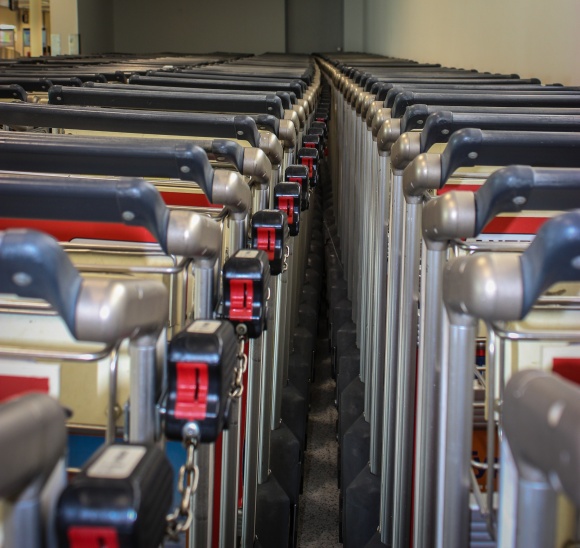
{"points": [[160, 279], [448, 232]]}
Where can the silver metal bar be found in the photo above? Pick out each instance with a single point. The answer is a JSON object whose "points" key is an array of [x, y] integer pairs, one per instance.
{"points": [[537, 509], [52, 355], [491, 429], [285, 326], [365, 286], [143, 389], [251, 442], [200, 533], [112, 406], [229, 482], [396, 225], [455, 488], [204, 293], [406, 376], [377, 379], [269, 364], [428, 385]]}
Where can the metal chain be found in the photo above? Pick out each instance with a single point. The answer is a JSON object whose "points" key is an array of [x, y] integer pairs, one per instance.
{"points": [[180, 519], [238, 386], [285, 260]]}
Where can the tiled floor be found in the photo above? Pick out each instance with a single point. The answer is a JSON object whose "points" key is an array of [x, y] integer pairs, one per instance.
{"points": [[319, 502]]}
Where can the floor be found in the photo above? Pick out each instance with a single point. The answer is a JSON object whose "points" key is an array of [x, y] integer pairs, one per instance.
{"points": [[319, 502]]}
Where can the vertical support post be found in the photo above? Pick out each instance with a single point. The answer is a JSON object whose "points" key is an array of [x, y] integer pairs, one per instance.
{"points": [[251, 443]]}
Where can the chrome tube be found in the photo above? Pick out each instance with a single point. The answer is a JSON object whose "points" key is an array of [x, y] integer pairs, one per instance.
{"points": [[200, 532], [230, 467], [396, 227], [251, 443], [406, 376], [203, 292], [379, 316], [143, 389], [459, 424], [269, 364], [428, 387]]}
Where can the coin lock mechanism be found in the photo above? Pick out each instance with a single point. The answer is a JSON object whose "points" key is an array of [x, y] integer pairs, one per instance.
{"points": [[287, 197], [201, 362], [269, 233], [299, 174], [246, 278], [120, 499], [309, 157]]}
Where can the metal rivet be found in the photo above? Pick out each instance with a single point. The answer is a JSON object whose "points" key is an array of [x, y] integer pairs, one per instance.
{"points": [[420, 122], [445, 132], [240, 132], [472, 155], [191, 430], [184, 169], [519, 200], [270, 108], [128, 215], [59, 98], [22, 279]]}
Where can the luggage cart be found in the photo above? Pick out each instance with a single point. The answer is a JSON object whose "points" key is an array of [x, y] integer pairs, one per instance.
{"points": [[527, 283]]}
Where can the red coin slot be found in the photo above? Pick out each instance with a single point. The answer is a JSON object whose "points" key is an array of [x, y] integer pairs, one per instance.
{"points": [[267, 241], [241, 299], [192, 390], [286, 204], [93, 537]]}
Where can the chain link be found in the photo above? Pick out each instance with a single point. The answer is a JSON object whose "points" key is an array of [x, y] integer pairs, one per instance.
{"points": [[180, 519], [238, 386], [285, 260]]}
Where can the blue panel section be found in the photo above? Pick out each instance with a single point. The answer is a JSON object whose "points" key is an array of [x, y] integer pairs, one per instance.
{"points": [[176, 454], [80, 449]]}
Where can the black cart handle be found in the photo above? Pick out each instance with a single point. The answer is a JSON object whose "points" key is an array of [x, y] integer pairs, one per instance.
{"points": [[33, 265], [132, 202], [518, 188], [29, 84], [13, 91], [553, 256], [287, 98], [120, 156], [222, 126], [407, 98], [471, 146], [475, 89], [440, 126], [403, 81], [416, 115], [229, 77], [118, 97], [175, 81]]}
